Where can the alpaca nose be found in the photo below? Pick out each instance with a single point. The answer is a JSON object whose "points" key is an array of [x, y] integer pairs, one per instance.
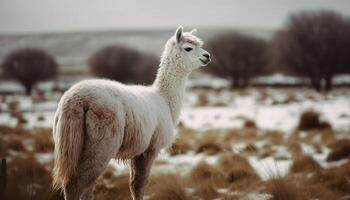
{"points": [[207, 55]]}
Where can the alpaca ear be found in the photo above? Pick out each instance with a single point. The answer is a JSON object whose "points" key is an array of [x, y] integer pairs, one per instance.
{"points": [[194, 31], [178, 34]]}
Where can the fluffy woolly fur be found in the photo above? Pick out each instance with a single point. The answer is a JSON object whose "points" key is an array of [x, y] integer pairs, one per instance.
{"points": [[98, 120]]}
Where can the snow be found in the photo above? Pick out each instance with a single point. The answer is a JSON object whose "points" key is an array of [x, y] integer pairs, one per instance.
{"points": [[334, 108]]}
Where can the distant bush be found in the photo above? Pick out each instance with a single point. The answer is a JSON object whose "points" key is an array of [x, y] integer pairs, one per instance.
{"points": [[310, 119], [124, 64], [29, 66], [237, 57], [314, 45]]}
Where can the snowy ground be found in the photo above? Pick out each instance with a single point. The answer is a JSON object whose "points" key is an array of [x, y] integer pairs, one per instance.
{"points": [[220, 111]]}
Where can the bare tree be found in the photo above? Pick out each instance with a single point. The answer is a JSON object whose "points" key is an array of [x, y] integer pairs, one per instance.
{"points": [[237, 57], [29, 66], [315, 45], [124, 64]]}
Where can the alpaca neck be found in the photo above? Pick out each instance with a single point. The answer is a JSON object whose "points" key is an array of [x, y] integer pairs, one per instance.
{"points": [[170, 83]]}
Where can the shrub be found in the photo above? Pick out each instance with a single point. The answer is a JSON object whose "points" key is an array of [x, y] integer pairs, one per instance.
{"points": [[124, 64], [29, 66], [310, 119], [249, 124], [314, 45], [237, 57]]}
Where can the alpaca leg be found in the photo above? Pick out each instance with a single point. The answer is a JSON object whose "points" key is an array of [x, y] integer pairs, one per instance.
{"points": [[140, 169], [92, 165], [101, 143]]}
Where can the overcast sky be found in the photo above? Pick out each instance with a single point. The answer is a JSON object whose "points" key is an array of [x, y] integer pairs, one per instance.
{"points": [[22, 16]]}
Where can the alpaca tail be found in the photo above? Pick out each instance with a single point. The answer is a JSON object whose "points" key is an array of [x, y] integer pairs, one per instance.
{"points": [[68, 134]]}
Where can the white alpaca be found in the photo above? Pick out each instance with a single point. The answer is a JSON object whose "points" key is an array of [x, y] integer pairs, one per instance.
{"points": [[97, 120]]}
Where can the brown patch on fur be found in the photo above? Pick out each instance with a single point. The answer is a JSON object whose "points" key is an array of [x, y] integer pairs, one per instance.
{"points": [[132, 137]]}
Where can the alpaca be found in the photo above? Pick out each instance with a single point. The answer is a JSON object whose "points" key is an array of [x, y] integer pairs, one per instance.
{"points": [[98, 120]]}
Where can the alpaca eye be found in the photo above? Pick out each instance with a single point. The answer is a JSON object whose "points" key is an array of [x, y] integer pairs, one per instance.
{"points": [[188, 49]]}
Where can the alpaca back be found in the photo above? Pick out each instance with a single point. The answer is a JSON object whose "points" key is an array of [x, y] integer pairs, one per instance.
{"points": [[138, 110]]}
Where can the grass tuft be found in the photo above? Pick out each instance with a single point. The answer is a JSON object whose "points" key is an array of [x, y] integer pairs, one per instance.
{"points": [[310, 119], [340, 150]]}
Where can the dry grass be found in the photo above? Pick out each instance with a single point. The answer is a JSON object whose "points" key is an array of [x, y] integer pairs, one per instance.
{"points": [[236, 168], [244, 134], [209, 143], [335, 178], [167, 187], [15, 143], [310, 120], [202, 99], [283, 189], [19, 116], [184, 142], [340, 150], [205, 192], [275, 137], [5, 130], [110, 187], [203, 173], [13, 105], [305, 164], [266, 151], [298, 188], [43, 141], [328, 136], [28, 179], [249, 124]]}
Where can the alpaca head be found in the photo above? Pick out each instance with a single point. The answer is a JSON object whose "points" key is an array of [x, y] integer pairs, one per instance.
{"points": [[186, 50]]}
